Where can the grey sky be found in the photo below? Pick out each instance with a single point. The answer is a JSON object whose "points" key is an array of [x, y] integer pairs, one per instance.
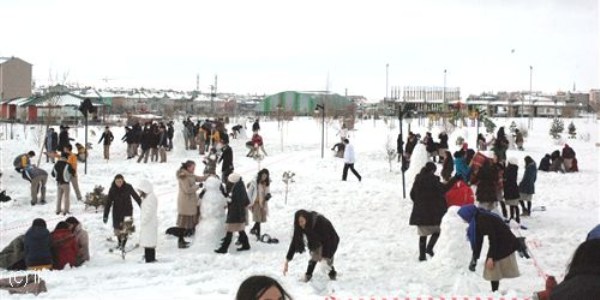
{"points": [[270, 46]]}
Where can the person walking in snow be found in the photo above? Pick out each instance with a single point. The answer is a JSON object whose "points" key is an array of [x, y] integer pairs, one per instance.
{"points": [[519, 139], [236, 215], [429, 206], [511, 190], [119, 199], [349, 160], [148, 220], [107, 137], [187, 201], [322, 240], [63, 138], [259, 194], [501, 261], [527, 185], [500, 145]]}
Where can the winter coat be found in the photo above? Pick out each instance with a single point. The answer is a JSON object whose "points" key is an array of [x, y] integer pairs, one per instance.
{"points": [[527, 185], [429, 204], [443, 141], [486, 186], [107, 137], [236, 208], [33, 173], [83, 244], [63, 140], [255, 126], [120, 198], [460, 194], [145, 139], [163, 140], [257, 140], [461, 168], [13, 253], [22, 162], [410, 145], [37, 247], [511, 190], [226, 159], [545, 163], [349, 157], [447, 168], [257, 194], [430, 145], [583, 286], [63, 172], [502, 242], [51, 141], [170, 132], [568, 152], [321, 234], [64, 248], [149, 216], [187, 200]]}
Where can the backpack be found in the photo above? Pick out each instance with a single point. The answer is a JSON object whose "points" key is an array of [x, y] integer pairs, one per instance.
{"points": [[17, 163]]}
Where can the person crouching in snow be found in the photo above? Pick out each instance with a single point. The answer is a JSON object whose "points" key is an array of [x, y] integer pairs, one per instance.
{"points": [[64, 246], [322, 240], [82, 239], [38, 255], [429, 207], [149, 220], [501, 261], [259, 194], [236, 214]]}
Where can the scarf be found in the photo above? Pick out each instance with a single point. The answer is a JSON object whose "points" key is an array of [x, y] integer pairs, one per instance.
{"points": [[469, 214]]}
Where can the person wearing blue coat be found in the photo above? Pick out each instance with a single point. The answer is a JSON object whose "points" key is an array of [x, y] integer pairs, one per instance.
{"points": [[460, 165], [38, 255], [527, 185]]}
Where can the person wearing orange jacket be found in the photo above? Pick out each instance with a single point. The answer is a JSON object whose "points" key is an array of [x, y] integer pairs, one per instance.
{"points": [[72, 160]]}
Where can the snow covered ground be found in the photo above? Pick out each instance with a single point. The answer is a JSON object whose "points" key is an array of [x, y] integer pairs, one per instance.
{"points": [[377, 256]]}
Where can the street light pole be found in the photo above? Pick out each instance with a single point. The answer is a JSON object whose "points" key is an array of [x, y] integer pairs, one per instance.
{"points": [[444, 98], [387, 69], [322, 108], [530, 95], [401, 153]]}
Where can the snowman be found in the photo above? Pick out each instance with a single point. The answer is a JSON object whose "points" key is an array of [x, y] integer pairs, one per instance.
{"points": [[212, 204]]}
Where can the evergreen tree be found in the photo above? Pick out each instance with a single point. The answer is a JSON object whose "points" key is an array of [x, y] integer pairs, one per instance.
{"points": [[572, 130], [489, 125], [557, 128]]}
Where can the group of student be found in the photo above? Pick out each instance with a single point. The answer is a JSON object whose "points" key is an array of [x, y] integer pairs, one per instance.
{"points": [[40, 249]]}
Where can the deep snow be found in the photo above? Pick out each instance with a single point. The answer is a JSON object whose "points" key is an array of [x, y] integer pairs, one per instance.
{"points": [[378, 251]]}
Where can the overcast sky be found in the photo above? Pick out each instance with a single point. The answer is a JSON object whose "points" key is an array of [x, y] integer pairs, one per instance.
{"points": [[270, 46]]}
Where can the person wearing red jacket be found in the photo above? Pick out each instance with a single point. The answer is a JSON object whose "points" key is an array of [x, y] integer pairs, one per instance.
{"points": [[64, 246], [460, 194]]}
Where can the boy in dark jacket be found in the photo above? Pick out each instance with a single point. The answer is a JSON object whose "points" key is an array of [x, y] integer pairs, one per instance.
{"points": [[63, 172], [37, 246], [107, 137]]}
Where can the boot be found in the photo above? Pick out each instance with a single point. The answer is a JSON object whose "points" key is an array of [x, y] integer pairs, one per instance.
{"points": [[431, 244], [332, 274], [256, 230], [422, 246], [150, 255], [181, 243], [244, 240], [309, 270], [225, 244]]}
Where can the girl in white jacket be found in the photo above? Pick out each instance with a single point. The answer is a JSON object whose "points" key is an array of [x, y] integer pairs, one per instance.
{"points": [[149, 220]]}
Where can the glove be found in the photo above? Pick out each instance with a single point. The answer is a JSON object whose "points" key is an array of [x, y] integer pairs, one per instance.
{"points": [[472, 265], [267, 197], [105, 220]]}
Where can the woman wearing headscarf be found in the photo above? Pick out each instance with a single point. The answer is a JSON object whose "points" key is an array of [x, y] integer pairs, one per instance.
{"points": [[119, 198]]}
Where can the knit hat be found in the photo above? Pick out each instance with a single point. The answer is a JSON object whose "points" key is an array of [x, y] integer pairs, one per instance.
{"points": [[39, 223], [234, 177]]}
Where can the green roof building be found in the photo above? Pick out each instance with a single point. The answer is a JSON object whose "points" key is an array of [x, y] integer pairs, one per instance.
{"points": [[304, 103]]}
